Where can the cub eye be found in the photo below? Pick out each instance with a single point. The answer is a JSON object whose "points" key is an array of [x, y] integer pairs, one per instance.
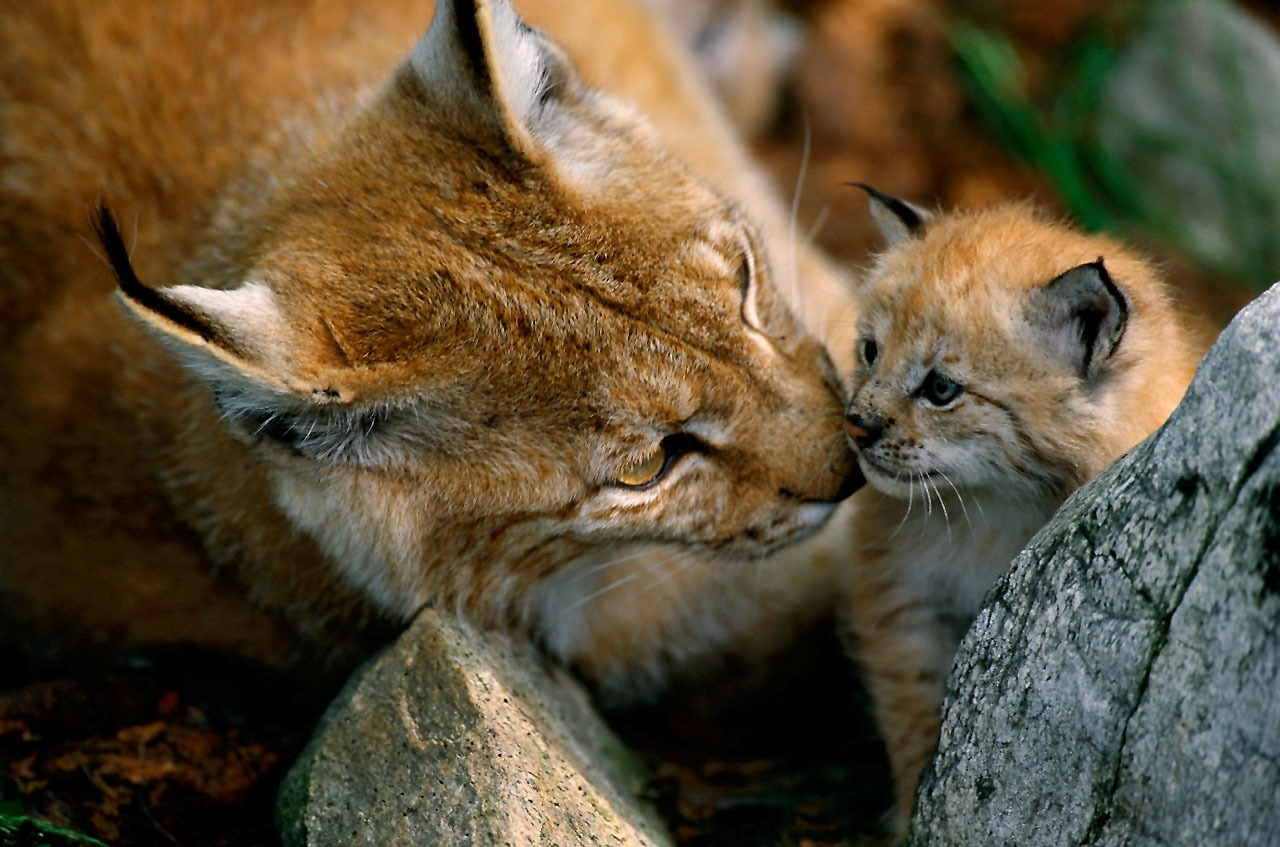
{"points": [[939, 390], [870, 351], [653, 467]]}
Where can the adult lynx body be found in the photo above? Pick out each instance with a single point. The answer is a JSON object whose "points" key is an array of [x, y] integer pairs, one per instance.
{"points": [[402, 325]]}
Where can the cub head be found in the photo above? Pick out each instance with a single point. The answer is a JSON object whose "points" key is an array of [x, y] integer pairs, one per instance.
{"points": [[1001, 351], [489, 327]]}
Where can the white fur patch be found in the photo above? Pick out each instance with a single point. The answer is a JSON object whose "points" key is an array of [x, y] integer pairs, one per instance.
{"points": [[249, 315], [519, 61], [958, 547], [372, 537]]}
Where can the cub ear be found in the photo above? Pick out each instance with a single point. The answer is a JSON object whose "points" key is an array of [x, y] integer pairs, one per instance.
{"points": [[480, 58], [1081, 316], [898, 219], [241, 330]]}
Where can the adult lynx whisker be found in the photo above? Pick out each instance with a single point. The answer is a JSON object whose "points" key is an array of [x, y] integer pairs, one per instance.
{"points": [[597, 567], [795, 213], [618, 583], [666, 577], [818, 223], [265, 423]]}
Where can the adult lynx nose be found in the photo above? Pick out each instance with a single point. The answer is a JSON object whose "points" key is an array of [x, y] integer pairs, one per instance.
{"points": [[840, 479]]}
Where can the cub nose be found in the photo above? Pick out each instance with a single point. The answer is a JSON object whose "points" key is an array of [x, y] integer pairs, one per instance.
{"points": [[863, 430]]}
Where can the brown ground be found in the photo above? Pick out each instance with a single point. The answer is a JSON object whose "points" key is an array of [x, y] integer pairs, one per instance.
{"points": [[168, 753]]}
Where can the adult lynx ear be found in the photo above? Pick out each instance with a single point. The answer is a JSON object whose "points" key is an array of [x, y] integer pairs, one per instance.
{"points": [[480, 58], [239, 342], [239, 330], [898, 219], [1081, 315]]}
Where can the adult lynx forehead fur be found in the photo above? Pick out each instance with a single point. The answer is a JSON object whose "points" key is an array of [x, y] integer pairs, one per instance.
{"points": [[1004, 359], [450, 331]]}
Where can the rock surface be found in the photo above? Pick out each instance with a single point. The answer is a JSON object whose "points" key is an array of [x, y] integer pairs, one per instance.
{"points": [[1122, 685], [451, 736], [1189, 112]]}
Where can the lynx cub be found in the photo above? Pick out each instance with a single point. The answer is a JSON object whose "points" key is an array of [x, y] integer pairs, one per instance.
{"points": [[386, 325], [1003, 361]]}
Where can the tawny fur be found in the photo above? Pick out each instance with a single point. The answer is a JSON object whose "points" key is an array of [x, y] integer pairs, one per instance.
{"points": [[416, 310], [956, 490]]}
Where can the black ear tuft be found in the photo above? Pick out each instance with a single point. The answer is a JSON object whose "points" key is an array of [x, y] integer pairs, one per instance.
{"points": [[466, 20], [104, 224], [480, 60], [1083, 315], [898, 219]]}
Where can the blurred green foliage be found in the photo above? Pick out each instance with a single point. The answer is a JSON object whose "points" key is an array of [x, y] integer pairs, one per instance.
{"points": [[1226, 209], [16, 828]]}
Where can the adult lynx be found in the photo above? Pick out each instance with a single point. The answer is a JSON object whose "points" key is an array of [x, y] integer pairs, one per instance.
{"points": [[450, 329], [1005, 359]]}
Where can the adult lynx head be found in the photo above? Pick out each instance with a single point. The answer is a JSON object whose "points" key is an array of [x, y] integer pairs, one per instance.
{"points": [[488, 326], [1002, 352]]}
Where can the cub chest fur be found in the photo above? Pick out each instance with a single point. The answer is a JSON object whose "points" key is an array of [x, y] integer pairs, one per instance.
{"points": [[948, 550]]}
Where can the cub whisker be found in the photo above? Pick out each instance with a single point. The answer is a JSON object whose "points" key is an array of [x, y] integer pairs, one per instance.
{"points": [[910, 500], [942, 504], [960, 499]]}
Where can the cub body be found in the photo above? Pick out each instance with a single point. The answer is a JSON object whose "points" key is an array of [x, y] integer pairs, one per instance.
{"points": [[1004, 360], [403, 325]]}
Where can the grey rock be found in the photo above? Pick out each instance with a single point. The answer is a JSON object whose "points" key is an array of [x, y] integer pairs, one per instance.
{"points": [[1190, 114], [1122, 684], [452, 736]]}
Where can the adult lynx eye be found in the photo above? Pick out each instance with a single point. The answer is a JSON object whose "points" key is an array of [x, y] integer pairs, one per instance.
{"points": [[939, 390], [870, 351], [644, 472], [747, 290], [653, 467], [744, 275]]}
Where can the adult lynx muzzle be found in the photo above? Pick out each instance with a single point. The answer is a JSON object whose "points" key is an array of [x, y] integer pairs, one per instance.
{"points": [[402, 325]]}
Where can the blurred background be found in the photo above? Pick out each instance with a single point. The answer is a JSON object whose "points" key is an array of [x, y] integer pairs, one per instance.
{"points": [[1158, 121]]}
